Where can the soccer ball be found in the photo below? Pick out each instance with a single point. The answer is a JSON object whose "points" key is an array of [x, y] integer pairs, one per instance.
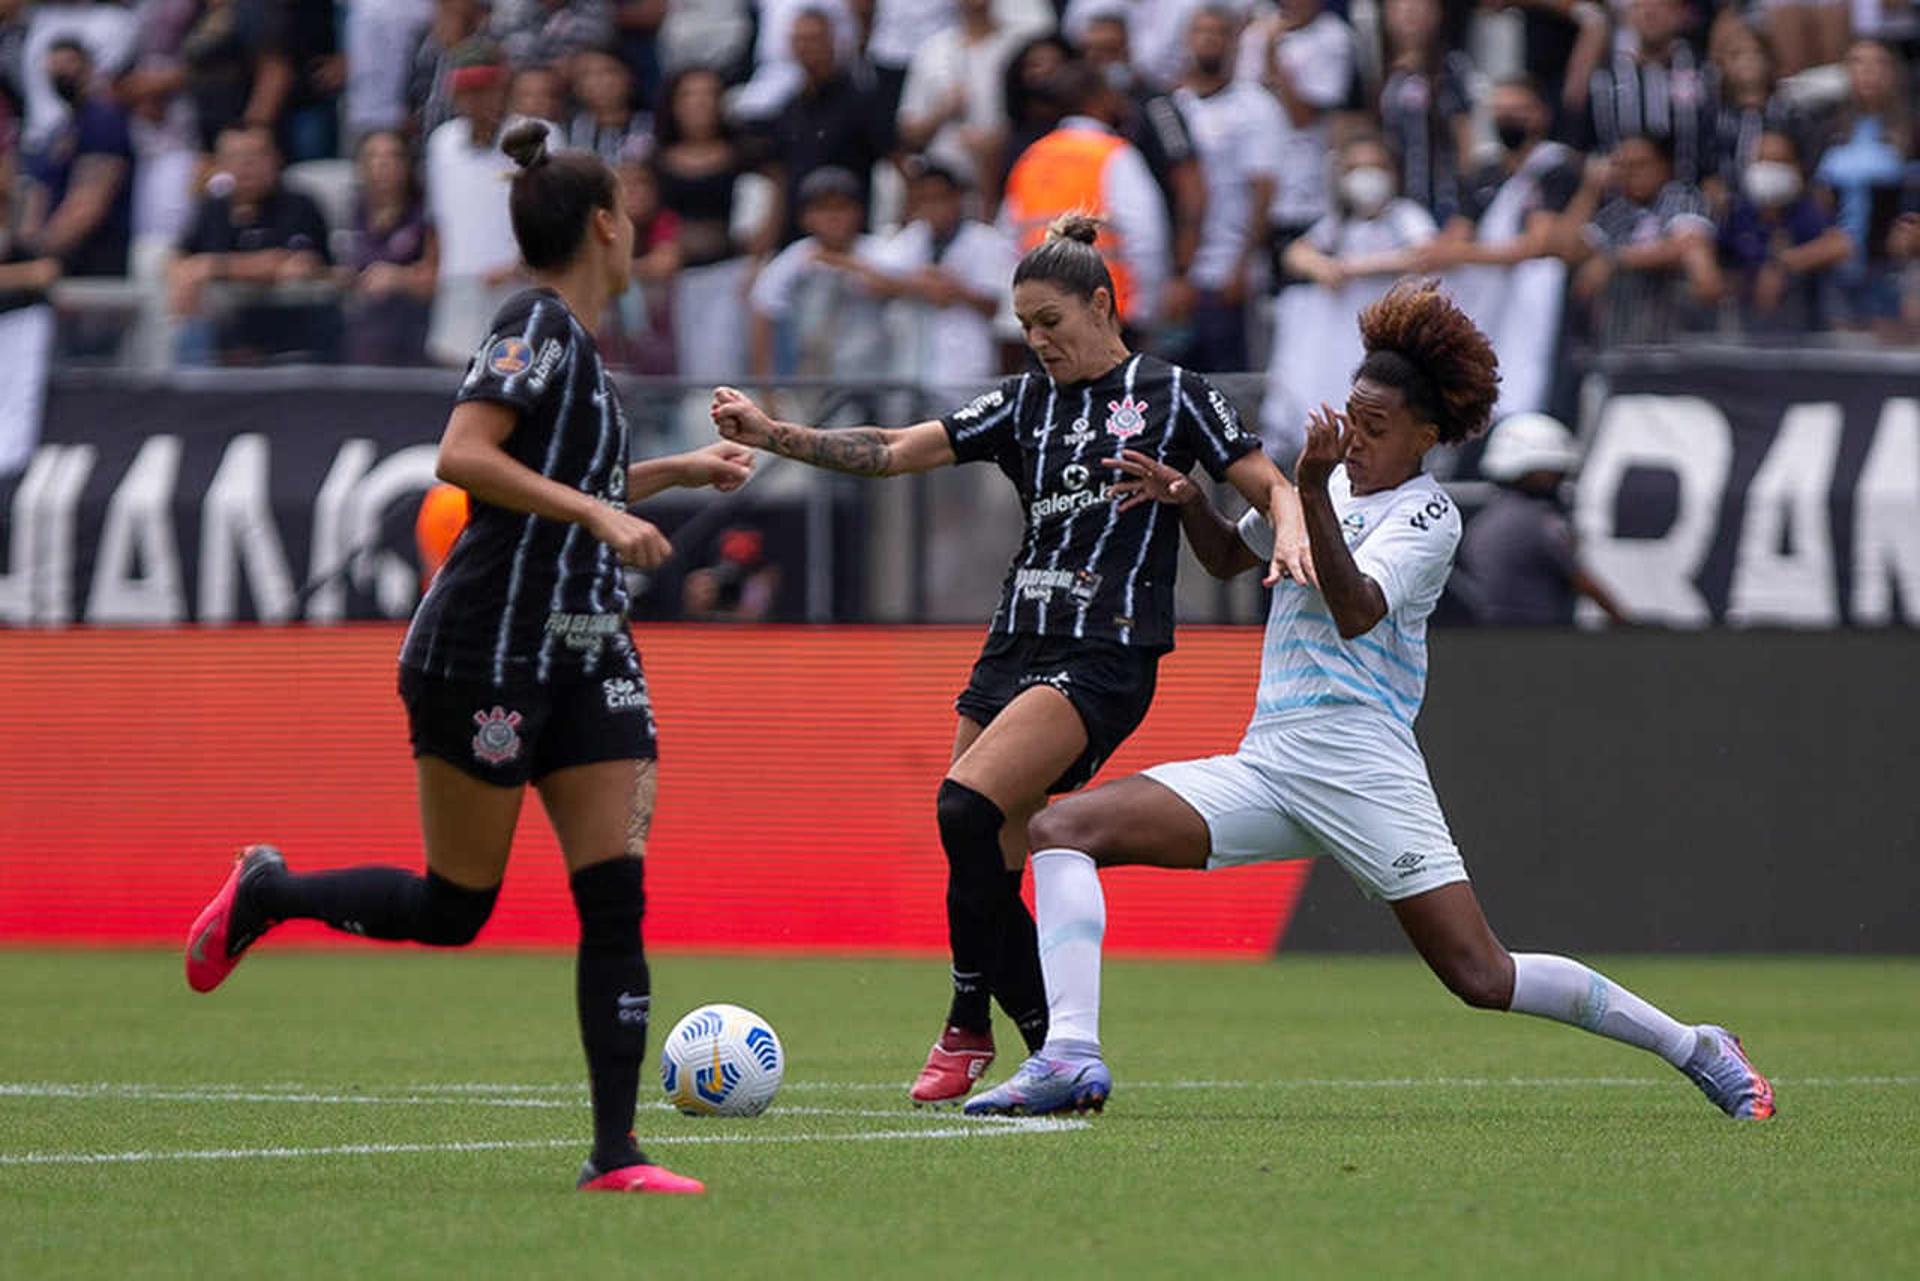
{"points": [[721, 1060]]}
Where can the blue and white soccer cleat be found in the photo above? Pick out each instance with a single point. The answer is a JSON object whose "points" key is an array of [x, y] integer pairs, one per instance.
{"points": [[1720, 1068], [1061, 1078]]}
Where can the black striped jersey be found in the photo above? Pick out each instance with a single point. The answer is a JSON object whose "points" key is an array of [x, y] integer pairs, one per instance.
{"points": [[522, 597], [1085, 569]]}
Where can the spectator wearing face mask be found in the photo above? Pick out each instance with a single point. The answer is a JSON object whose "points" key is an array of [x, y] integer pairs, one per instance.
{"points": [[79, 205], [1371, 231], [1779, 244], [1751, 104]]}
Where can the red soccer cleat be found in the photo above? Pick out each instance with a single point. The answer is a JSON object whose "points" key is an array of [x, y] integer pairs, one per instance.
{"points": [[955, 1064], [638, 1178], [214, 946]]}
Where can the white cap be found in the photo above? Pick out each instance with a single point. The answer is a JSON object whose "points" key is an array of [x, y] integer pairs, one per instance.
{"points": [[1528, 442]]}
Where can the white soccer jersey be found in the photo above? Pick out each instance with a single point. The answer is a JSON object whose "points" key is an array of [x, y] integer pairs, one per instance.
{"points": [[1404, 539]]}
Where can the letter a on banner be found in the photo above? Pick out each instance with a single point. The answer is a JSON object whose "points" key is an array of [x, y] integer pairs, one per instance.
{"points": [[1789, 504]]}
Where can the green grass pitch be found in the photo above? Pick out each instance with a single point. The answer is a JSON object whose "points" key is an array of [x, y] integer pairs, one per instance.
{"points": [[395, 1113]]}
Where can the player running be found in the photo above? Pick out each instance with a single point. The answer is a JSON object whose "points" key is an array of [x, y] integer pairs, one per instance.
{"points": [[519, 666], [1329, 764], [1069, 663]]}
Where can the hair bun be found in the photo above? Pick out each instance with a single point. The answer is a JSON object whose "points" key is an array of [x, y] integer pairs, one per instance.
{"points": [[526, 143], [1082, 227]]}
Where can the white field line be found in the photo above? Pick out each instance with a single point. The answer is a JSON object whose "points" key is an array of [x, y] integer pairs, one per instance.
{"points": [[994, 1127]]}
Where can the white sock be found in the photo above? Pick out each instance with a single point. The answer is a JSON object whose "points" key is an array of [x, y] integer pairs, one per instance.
{"points": [[1072, 919], [1559, 988]]}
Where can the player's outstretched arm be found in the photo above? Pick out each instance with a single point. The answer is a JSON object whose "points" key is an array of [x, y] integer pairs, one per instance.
{"points": [[1355, 601], [472, 456], [1216, 542], [1263, 486], [858, 451], [724, 466]]}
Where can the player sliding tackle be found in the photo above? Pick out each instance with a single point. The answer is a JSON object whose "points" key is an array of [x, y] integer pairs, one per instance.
{"points": [[1329, 764]]}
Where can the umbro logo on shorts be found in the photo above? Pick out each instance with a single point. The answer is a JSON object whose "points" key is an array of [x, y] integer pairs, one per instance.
{"points": [[1409, 861]]}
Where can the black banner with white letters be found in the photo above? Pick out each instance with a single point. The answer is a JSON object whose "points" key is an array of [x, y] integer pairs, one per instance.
{"points": [[1756, 489]]}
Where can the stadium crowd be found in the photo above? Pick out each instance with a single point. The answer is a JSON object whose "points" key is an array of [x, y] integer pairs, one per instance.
{"points": [[836, 187]]}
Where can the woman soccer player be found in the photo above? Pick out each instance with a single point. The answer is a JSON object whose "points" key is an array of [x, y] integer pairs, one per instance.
{"points": [[519, 667], [1329, 764], [1069, 663]]}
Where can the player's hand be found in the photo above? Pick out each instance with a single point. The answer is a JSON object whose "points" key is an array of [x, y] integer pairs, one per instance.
{"points": [[724, 466], [1292, 559], [633, 540], [739, 420], [1326, 448], [1149, 481]]}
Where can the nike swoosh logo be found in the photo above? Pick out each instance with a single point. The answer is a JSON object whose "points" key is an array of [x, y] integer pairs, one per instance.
{"points": [[199, 949], [629, 1002]]}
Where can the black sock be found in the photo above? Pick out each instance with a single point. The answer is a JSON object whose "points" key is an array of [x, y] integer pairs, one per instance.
{"points": [[614, 993], [1018, 983], [976, 899], [377, 902]]}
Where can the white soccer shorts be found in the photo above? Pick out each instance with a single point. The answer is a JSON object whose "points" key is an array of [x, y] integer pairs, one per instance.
{"points": [[1343, 782]]}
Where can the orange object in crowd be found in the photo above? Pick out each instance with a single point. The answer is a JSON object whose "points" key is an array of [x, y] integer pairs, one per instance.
{"points": [[443, 514], [1064, 172]]}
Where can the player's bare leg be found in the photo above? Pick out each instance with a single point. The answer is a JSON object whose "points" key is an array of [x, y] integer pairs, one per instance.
{"points": [[1133, 821], [1000, 772], [1448, 929]]}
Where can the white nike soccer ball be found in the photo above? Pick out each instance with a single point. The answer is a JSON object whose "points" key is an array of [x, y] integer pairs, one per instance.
{"points": [[722, 1060]]}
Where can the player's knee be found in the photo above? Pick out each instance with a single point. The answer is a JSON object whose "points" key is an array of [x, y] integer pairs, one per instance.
{"points": [[1071, 824], [968, 820], [610, 898], [452, 915]]}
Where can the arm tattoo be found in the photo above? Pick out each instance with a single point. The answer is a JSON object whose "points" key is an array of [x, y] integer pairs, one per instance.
{"points": [[860, 451]]}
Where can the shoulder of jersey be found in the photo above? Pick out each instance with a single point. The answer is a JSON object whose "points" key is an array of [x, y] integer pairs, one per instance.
{"points": [[1430, 509]]}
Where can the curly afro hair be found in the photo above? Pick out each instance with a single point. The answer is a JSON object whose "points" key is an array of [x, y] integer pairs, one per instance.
{"points": [[1419, 342]]}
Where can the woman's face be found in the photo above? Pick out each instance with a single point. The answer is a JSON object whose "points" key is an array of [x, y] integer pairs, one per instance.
{"points": [[1385, 439], [1039, 64], [383, 165], [1871, 72], [696, 106], [1072, 337], [1744, 61], [639, 191], [601, 82]]}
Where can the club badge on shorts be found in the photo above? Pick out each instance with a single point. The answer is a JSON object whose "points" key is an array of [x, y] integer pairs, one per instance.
{"points": [[498, 740], [1126, 417]]}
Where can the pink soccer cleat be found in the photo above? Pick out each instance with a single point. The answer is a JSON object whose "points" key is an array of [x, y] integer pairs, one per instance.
{"points": [[638, 1178], [223, 931], [955, 1064]]}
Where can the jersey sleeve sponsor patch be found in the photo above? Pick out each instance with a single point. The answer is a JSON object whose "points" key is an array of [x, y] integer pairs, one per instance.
{"points": [[517, 362], [980, 428], [1213, 429]]}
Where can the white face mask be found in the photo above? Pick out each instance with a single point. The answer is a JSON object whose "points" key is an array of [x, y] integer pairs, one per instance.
{"points": [[1770, 183], [1367, 189]]}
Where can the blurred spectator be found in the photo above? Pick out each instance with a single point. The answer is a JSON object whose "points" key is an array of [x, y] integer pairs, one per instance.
{"points": [[1157, 32], [607, 124], [836, 119], [1519, 565], [813, 315], [1779, 243], [1304, 56], [1153, 124], [1865, 167], [1032, 110], [297, 83], [395, 260], [539, 93], [381, 39], [13, 70], [1808, 33], [636, 25], [1370, 231], [109, 32], [544, 33], [466, 176], [26, 328], [1236, 127], [1750, 104], [953, 104], [717, 34], [221, 51], [1512, 206], [1084, 166], [700, 167], [1657, 88], [1562, 43], [160, 126], [639, 335], [740, 586], [1649, 249], [251, 230], [777, 73], [79, 205], [1425, 106], [951, 273], [429, 80]]}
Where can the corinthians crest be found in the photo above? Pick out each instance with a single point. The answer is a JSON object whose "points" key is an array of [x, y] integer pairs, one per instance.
{"points": [[1126, 417], [498, 740]]}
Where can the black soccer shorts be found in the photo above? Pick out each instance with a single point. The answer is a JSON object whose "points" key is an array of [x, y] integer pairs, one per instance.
{"points": [[520, 732], [1109, 684]]}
